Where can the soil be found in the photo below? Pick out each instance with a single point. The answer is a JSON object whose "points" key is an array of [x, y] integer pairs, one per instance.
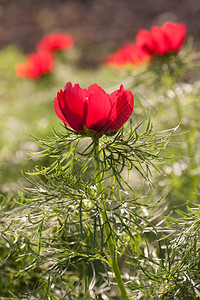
{"points": [[92, 23]]}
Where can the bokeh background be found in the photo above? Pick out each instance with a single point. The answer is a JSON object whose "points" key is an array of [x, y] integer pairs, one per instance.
{"points": [[92, 22]]}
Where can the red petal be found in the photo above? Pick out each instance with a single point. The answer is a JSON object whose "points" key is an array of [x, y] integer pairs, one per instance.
{"points": [[72, 106], [122, 107], [176, 33], [94, 88], [128, 54], [36, 65], [55, 42], [162, 43], [57, 108], [145, 41], [98, 108]]}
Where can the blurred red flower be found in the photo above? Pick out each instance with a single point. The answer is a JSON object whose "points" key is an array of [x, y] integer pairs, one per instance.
{"points": [[93, 109], [160, 40], [128, 54], [54, 42], [36, 65]]}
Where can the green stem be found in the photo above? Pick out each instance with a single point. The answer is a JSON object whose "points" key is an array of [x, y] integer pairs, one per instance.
{"points": [[107, 228]]}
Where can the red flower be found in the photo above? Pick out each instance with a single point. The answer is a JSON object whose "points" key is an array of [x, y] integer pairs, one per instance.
{"points": [[92, 109], [37, 64], [56, 42], [128, 54], [160, 40]]}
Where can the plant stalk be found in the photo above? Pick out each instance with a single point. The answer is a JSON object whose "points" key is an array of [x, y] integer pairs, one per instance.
{"points": [[107, 227]]}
